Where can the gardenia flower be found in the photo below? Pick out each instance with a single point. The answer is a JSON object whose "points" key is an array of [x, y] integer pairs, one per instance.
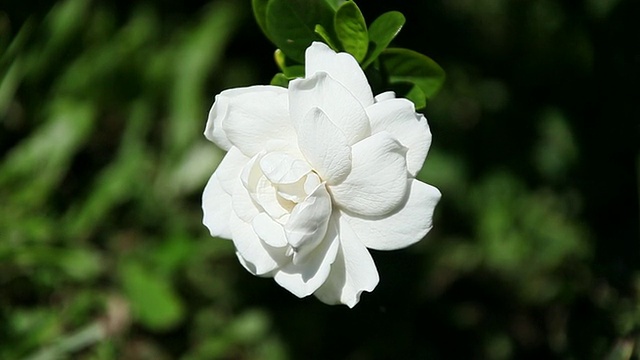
{"points": [[315, 174]]}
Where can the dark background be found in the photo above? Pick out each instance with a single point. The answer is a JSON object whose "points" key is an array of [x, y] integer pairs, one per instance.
{"points": [[534, 253]]}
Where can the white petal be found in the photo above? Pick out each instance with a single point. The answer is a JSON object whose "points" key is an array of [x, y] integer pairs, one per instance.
{"points": [[251, 173], [261, 191], [283, 168], [342, 67], [402, 228], [293, 193], [216, 207], [243, 205], [213, 130], [399, 117], [230, 168], [267, 197], [377, 183], [324, 146], [352, 272], [311, 182], [387, 95], [308, 223], [259, 258], [342, 108], [298, 191], [304, 278], [269, 230], [259, 120]]}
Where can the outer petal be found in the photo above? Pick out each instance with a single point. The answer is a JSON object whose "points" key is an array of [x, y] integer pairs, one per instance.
{"points": [[230, 168], [216, 207], [387, 95], [213, 130], [399, 117], [352, 272], [342, 108], [324, 146], [305, 278], [405, 227], [257, 120], [377, 183], [259, 258], [342, 67]]}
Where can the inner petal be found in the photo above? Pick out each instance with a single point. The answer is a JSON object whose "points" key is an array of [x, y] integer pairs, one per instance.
{"points": [[267, 197], [251, 173], [298, 191], [293, 193], [308, 223], [270, 231], [283, 168], [311, 182]]}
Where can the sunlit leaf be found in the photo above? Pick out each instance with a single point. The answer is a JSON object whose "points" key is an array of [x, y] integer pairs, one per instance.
{"points": [[280, 79], [351, 30], [288, 67], [324, 34], [381, 32], [404, 66], [335, 4]]}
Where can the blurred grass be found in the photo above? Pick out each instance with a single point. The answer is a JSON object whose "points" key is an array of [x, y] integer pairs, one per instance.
{"points": [[103, 256]]}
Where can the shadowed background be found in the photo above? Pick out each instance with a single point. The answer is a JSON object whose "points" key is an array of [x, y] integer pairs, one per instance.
{"points": [[534, 253]]}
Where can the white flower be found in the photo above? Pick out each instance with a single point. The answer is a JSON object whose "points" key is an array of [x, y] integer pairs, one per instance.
{"points": [[315, 174]]}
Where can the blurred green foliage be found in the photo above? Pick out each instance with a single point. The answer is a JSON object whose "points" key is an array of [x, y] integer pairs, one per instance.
{"points": [[534, 253], [292, 25]]}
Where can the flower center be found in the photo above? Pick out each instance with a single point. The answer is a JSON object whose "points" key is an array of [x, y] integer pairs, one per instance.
{"points": [[293, 203]]}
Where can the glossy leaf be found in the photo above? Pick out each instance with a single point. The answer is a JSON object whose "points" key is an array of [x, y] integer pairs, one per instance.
{"points": [[335, 4], [291, 24], [260, 13], [381, 32], [404, 66], [351, 30], [410, 91], [280, 79], [324, 34], [289, 68]]}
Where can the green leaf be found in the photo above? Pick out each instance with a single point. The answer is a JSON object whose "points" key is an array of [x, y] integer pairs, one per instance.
{"points": [[280, 58], [291, 71], [412, 92], [403, 66], [291, 24], [351, 30], [153, 300], [280, 80], [335, 4], [295, 71], [324, 34], [260, 13], [381, 32]]}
